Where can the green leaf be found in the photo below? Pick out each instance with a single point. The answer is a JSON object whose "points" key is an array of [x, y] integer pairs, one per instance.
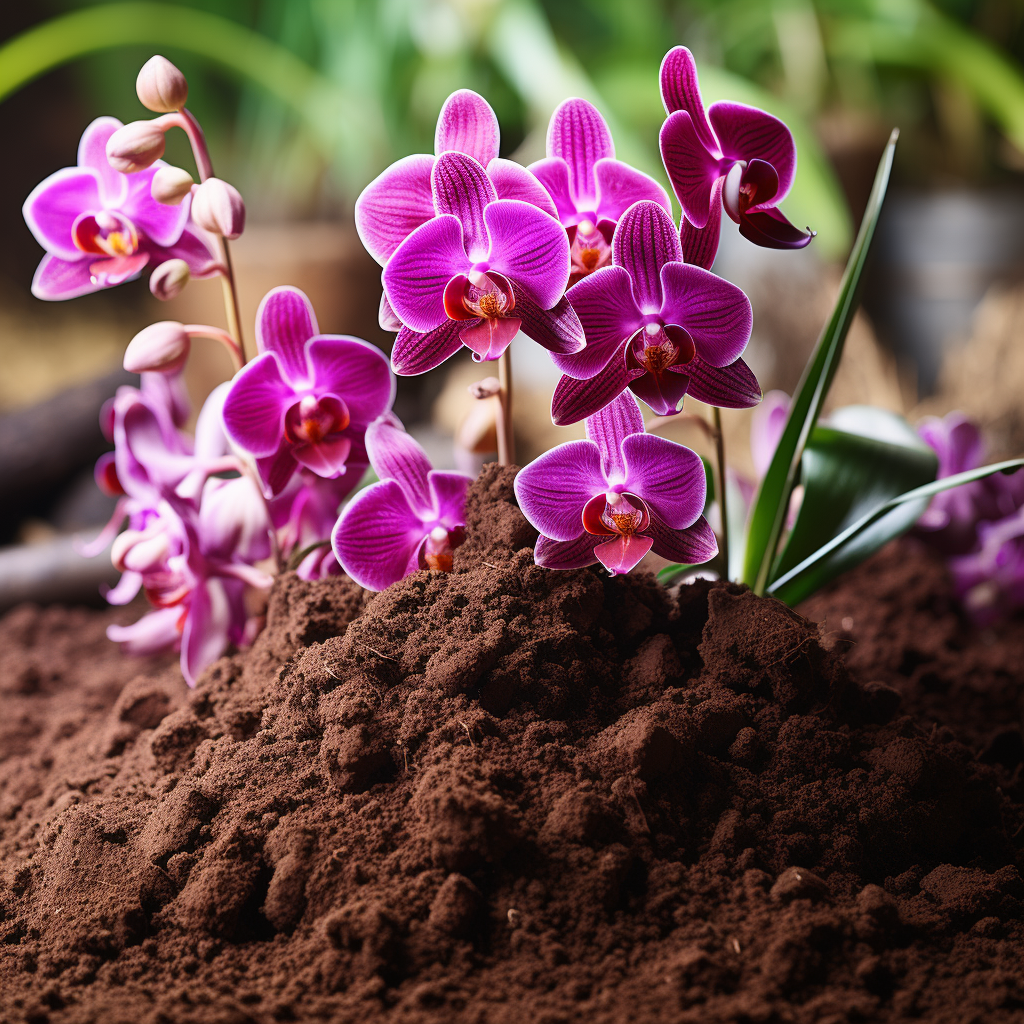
{"points": [[847, 473], [866, 536], [772, 500]]}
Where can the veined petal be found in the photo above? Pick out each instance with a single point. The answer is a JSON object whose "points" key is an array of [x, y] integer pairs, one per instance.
{"points": [[692, 546], [578, 134], [57, 278], [728, 387], [395, 455], [700, 245], [553, 174], [619, 186], [609, 427], [566, 554], [52, 206], [356, 371], [461, 187], [680, 90], [160, 223], [667, 475], [154, 632], [378, 536], [415, 353], [715, 312], [206, 634], [285, 321], [692, 170], [574, 399], [528, 247], [771, 229], [416, 275], [645, 240], [394, 205], [746, 133], [513, 181], [553, 489], [557, 329], [92, 153], [256, 404], [448, 492], [605, 304], [467, 124]]}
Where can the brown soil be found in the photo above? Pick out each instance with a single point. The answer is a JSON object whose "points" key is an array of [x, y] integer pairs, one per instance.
{"points": [[508, 794]]}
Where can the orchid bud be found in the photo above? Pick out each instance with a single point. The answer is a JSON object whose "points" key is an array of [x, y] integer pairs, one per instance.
{"points": [[160, 348], [161, 87], [218, 207], [170, 185], [168, 280], [486, 388], [135, 147]]}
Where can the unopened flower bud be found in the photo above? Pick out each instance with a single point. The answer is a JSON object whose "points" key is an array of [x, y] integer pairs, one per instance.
{"points": [[135, 147], [218, 207], [168, 280], [170, 185], [486, 388], [161, 86], [159, 348]]}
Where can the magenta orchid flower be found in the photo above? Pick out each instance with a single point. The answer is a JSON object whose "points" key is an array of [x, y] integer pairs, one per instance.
{"points": [[477, 273], [654, 324], [412, 519], [616, 496], [100, 227], [307, 398], [590, 188], [989, 581], [734, 157]]}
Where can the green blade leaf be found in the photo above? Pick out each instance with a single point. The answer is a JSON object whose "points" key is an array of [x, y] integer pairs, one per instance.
{"points": [[865, 537], [847, 473], [772, 500]]}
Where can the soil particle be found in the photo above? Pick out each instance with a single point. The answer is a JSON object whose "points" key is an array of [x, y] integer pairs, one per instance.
{"points": [[508, 794]]}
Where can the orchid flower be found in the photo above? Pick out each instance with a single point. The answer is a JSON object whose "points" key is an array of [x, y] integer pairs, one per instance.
{"points": [[100, 227], [990, 580], [590, 188], [733, 156], [616, 496], [656, 325], [412, 519], [307, 398], [477, 273]]}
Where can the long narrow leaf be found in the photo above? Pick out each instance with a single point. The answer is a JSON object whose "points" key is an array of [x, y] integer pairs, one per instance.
{"points": [[772, 501], [869, 534]]}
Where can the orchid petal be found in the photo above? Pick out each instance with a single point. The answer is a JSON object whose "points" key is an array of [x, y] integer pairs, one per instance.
{"points": [[715, 313], [692, 170], [663, 392], [513, 181], [574, 399], [205, 637], [746, 133], [461, 187], [378, 537], [285, 321], [394, 205], [578, 134], [619, 186], [700, 245], [766, 427], [233, 520], [565, 554], [528, 247], [154, 632], [210, 440], [621, 554], [553, 174], [553, 489], [92, 153], [161, 223], [117, 269], [254, 409], [386, 315], [645, 240], [668, 476], [605, 304], [52, 206], [771, 229], [395, 455], [692, 546], [467, 124], [415, 353], [557, 329], [488, 337], [728, 387], [354, 370], [448, 493], [680, 90], [326, 458], [609, 427], [125, 590], [56, 278], [277, 470], [416, 275], [197, 248]]}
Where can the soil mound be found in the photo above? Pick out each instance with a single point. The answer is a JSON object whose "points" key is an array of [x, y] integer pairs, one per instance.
{"points": [[497, 795]]}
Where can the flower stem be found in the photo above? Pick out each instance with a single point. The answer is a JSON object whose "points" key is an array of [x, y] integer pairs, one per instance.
{"points": [[506, 435], [722, 504], [216, 334], [231, 299]]}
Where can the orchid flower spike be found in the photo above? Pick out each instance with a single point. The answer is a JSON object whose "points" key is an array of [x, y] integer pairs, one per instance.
{"points": [[100, 227], [307, 398], [656, 325], [590, 188], [616, 496], [412, 519], [734, 156]]}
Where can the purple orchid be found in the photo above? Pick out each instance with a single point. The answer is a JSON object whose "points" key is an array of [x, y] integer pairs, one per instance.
{"points": [[590, 188], [990, 580], [616, 496], [307, 398], [412, 519], [734, 156], [477, 273], [656, 325], [100, 227]]}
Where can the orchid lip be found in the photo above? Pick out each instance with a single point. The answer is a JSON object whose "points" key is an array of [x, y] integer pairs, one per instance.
{"points": [[314, 418], [105, 233], [658, 347], [731, 189], [479, 294], [616, 513]]}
